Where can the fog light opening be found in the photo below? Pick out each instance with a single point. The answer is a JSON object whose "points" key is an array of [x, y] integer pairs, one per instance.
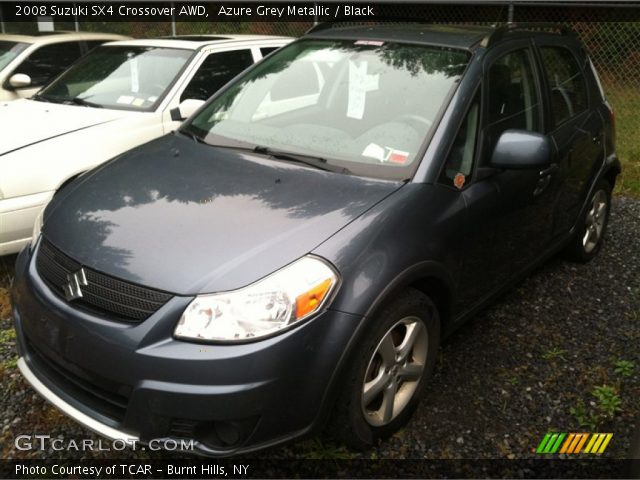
{"points": [[226, 434]]}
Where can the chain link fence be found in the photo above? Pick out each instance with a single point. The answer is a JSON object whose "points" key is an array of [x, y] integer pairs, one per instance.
{"points": [[614, 46]]}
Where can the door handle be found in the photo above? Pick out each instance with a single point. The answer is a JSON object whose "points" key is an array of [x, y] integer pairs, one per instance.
{"points": [[548, 171]]}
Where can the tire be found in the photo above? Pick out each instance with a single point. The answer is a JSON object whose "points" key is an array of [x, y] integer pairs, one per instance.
{"points": [[587, 241], [634, 454], [360, 421]]}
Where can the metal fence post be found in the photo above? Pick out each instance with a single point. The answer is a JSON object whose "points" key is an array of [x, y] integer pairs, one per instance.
{"points": [[510, 13], [1, 20], [173, 20]]}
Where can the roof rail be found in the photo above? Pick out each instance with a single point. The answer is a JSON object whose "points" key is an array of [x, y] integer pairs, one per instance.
{"points": [[502, 30], [319, 27]]}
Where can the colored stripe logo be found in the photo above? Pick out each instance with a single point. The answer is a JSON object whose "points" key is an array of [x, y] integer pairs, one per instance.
{"points": [[574, 443]]}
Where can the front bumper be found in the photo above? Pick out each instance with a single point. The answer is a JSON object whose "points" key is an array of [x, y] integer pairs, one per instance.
{"points": [[137, 382]]}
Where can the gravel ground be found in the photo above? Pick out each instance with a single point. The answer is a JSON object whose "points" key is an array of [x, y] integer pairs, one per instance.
{"points": [[530, 364]]}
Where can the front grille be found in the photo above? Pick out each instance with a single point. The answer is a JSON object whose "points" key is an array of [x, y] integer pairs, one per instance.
{"points": [[104, 295], [100, 396]]}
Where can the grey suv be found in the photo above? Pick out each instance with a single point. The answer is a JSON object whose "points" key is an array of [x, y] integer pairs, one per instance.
{"points": [[296, 252]]}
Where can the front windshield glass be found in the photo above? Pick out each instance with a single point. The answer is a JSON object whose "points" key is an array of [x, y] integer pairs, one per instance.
{"points": [[120, 77], [367, 106], [9, 51]]}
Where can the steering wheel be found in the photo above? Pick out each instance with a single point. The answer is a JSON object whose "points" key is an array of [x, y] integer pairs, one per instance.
{"points": [[417, 122]]}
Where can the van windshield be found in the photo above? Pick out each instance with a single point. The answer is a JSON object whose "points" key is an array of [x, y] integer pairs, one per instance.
{"points": [[368, 106]]}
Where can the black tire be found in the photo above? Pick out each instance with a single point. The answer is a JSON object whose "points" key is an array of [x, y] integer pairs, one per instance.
{"points": [[349, 422], [634, 454], [578, 250]]}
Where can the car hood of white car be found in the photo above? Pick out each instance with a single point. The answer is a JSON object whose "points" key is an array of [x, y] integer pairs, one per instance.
{"points": [[28, 122]]}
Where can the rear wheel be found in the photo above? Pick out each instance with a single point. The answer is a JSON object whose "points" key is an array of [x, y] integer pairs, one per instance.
{"points": [[389, 372], [587, 241]]}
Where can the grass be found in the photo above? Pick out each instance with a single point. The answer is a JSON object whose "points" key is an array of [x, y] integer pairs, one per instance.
{"points": [[626, 103], [554, 353]]}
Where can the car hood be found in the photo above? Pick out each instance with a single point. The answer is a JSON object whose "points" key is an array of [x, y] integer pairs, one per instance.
{"points": [[27, 122], [189, 218]]}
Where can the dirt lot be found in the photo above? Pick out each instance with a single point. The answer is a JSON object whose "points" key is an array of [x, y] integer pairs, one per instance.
{"points": [[559, 353]]}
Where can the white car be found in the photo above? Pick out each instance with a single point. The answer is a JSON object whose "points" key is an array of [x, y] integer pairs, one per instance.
{"points": [[27, 62], [120, 95]]}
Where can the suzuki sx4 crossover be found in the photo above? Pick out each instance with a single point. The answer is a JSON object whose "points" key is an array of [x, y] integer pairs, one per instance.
{"points": [[294, 254]]}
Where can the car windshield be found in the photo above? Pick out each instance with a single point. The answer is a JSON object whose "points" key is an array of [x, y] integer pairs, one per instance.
{"points": [[120, 77], [9, 51], [367, 106]]}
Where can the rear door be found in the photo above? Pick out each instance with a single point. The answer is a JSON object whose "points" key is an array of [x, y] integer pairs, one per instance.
{"points": [[575, 126]]}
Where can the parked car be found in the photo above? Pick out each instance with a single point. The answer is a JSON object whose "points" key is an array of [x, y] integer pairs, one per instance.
{"points": [[120, 95], [28, 62], [299, 248]]}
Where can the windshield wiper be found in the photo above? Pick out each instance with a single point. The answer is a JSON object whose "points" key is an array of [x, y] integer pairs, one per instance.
{"points": [[310, 160], [82, 102], [41, 98]]}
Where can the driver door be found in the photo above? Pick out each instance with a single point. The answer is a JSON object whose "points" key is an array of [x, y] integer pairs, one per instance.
{"points": [[510, 212]]}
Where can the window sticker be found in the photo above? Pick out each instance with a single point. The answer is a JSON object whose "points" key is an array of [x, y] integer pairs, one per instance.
{"points": [[374, 43], [135, 81], [385, 154], [125, 99], [458, 180], [359, 84], [397, 156], [152, 98], [138, 102]]}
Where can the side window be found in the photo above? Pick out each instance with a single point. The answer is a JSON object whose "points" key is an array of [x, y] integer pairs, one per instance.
{"points": [[216, 70], [49, 61], [459, 164], [513, 100], [267, 50], [565, 79]]}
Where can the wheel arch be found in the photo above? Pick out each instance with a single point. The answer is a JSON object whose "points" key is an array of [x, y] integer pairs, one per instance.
{"points": [[611, 171], [428, 277], [431, 279]]}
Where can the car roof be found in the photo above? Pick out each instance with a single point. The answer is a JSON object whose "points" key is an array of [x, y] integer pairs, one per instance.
{"points": [[195, 42], [455, 36], [42, 38]]}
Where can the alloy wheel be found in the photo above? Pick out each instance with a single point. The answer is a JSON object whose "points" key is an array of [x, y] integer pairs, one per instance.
{"points": [[394, 371], [595, 221]]}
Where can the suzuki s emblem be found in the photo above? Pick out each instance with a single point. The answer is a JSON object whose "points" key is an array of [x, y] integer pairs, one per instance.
{"points": [[72, 290]]}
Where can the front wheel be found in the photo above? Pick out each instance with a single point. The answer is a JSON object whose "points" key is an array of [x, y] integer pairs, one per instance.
{"points": [[587, 241], [389, 371]]}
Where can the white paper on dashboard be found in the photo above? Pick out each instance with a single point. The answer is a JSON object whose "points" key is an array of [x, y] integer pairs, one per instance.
{"points": [[374, 150], [359, 84], [125, 99]]}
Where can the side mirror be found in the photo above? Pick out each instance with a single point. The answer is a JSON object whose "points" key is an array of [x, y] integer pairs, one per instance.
{"points": [[520, 149], [186, 108], [20, 80]]}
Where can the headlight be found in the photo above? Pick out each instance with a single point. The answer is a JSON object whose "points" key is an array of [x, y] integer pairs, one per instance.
{"points": [[37, 227], [274, 303]]}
